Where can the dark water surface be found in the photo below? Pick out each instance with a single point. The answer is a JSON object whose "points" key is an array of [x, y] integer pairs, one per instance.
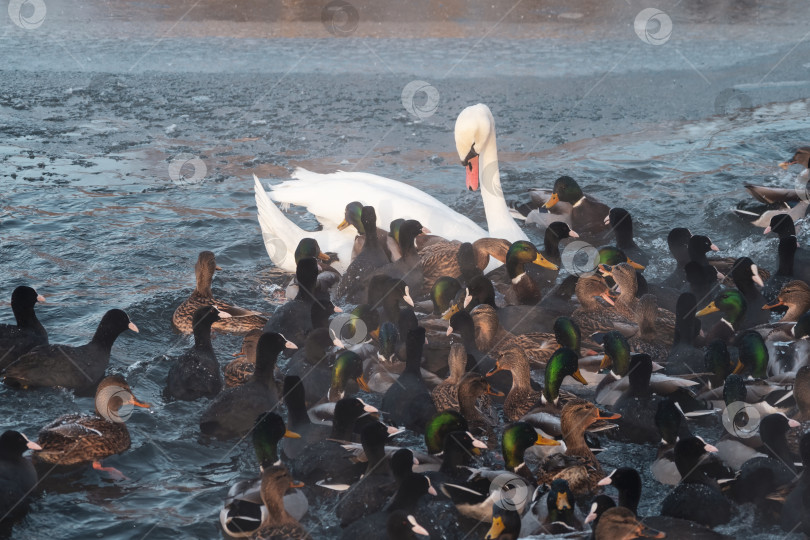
{"points": [[93, 123]]}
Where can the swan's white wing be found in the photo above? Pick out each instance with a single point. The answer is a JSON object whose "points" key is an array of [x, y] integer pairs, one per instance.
{"points": [[281, 236], [326, 197]]}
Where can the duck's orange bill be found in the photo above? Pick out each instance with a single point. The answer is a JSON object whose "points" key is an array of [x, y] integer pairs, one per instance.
{"points": [[607, 298], [606, 362], [495, 370], [296, 484], [452, 310], [323, 256], [785, 164], [343, 224], [562, 502], [602, 415], [605, 269], [739, 368], [542, 441], [578, 376], [375, 334], [554, 199], [646, 532], [492, 392], [545, 263], [291, 434], [711, 308], [635, 265], [238, 354], [496, 529], [361, 382], [774, 305], [139, 403]]}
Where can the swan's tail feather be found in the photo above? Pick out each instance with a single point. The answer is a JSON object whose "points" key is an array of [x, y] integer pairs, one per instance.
{"points": [[280, 235]]}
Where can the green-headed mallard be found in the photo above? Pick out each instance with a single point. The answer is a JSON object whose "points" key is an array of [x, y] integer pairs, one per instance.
{"points": [[372, 257], [732, 303], [16, 340], [78, 438], [241, 321], [587, 214], [352, 217], [244, 511], [523, 289], [327, 276]]}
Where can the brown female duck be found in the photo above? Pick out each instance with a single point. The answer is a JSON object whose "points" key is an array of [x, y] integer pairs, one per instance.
{"points": [[454, 259], [648, 340], [241, 368], [593, 316], [627, 304], [276, 480], [241, 321], [578, 465], [796, 297], [491, 337], [77, 438]]}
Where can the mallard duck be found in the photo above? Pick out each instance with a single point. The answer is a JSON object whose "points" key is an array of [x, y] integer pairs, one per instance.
{"points": [[505, 523], [460, 260], [490, 336], [196, 373], [445, 394], [276, 481], [746, 278], [779, 201], [17, 475], [348, 367], [521, 397], [475, 404], [16, 340], [578, 465], [563, 363], [684, 356], [621, 224], [327, 276], [794, 510], [408, 268], [376, 485], [232, 413], [354, 282], [552, 513], [244, 511], [785, 271], [556, 232], [295, 318], [80, 368], [649, 340], [517, 438], [795, 296], [621, 522], [628, 304], [408, 402], [592, 316], [298, 418], [352, 217], [239, 370], [77, 438], [523, 290], [587, 214], [241, 321], [733, 305]]}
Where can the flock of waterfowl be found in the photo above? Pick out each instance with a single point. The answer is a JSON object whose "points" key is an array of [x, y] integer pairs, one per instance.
{"points": [[514, 365]]}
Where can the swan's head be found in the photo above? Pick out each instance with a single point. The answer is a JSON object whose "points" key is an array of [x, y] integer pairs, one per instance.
{"points": [[474, 126]]}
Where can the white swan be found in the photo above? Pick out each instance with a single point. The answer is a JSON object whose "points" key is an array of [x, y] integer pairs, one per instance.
{"points": [[326, 197]]}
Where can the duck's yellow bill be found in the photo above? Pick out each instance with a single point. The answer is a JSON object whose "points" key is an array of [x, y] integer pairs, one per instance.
{"points": [[291, 434], [739, 368], [562, 502], [578, 376], [452, 310], [496, 529], [361, 382], [606, 362], [545, 263], [711, 308], [785, 164], [635, 265], [554, 199], [343, 224], [542, 441]]}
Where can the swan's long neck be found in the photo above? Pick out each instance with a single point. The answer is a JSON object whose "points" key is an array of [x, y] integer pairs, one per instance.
{"points": [[499, 222]]}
